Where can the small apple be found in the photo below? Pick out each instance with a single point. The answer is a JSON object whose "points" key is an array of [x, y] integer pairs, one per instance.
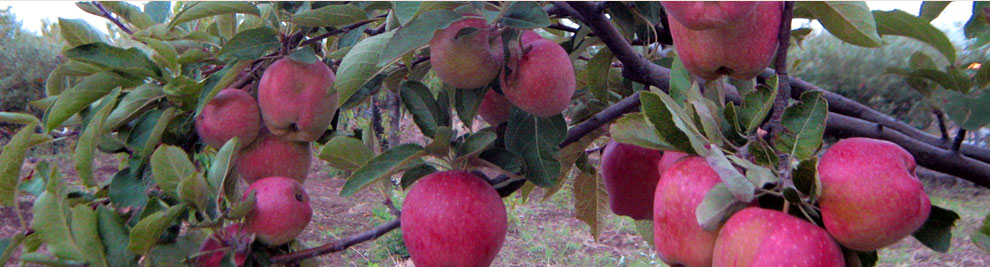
{"points": [[281, 210], [294, 99], [762, 237], [678, 237], [232, 112], [630, 174], [871, 195], [453, 218], [471, 60]]}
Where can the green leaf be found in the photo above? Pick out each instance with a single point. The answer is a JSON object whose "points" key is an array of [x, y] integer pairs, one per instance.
{"points": [[152, 136], [898, 22], [359, 65], [645, 230], [536, 140], [668, 118], [425, 110], [145, 234], [741, 188], [636, 129], [849, 21], [756, 106], [440, 146], [936, 233], [206, 9], [805, 177], [219, 172], [412, 175], [427, 6], [84, 93], [129, 13], [250, 44], [597, 74], [525, 15], [130, 60], [804, 126], [382, 166], [982, 77], [978, 27], [680, 81], [345, 153], [133, 104], [416, 34], [243, 208], [474, 144], [9, 245], [78, 32], [931, 9], [970, 113], [82, 155], [717, 206], [591, 202], [194, 190], [115, 236], [165, 53], [169, 165], [503, 158], [11, 160], [158, 11], [18, 118], [86, 233], [330, 16], [51, 224], [127, 188], [467, 101]]}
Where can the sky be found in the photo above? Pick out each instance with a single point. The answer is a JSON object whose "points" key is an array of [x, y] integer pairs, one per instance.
{"points": [[31, 13]]}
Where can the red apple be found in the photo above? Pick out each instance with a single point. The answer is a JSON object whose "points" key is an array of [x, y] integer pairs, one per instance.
{"points": [[540, 78], [281, 210], [761, 237], [453, 218], [232, 112], [494, 108], [871, 196], [741, 49], [231, 238], [468, 61], [678, 237], [669, 159], [704, 15], [630, 173], [271, 155], [295, 101]]}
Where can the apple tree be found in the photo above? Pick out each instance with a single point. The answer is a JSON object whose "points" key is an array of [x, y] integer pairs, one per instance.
{"points": [[680, 115]]}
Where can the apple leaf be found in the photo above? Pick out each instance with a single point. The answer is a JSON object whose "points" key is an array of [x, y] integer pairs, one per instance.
{"points": [[345, 153], [79, 32], [410, 176], [132, 105], [115, 236], [474, 144], [440, 146], [716, 208], [666, 122], [218, 175], [525, 15], [145, 234], [86, 233], [978, 27], [51, 222], [804, 126], [849, 21], [83, 153], [970, 113], [85, 92], [250, 44], [18, 118], [536, 139], [131, 60], [416, 34], [194, 191], [569, 156], [597, 74], [936, 233], [9, 245], [805, 177], [931, 9], [330, 16], [742, 188], [11, 160], [591, 201], [129, 12], [382, 166], [503, 158], [426, 110], [645, 230], [360, 65], [206, 9], [466, 103], [169, 165], [898, 22], [756, 105], [636, 129]]}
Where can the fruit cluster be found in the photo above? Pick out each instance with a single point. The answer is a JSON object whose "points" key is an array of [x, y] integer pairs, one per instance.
{"points": [[293, 108]]}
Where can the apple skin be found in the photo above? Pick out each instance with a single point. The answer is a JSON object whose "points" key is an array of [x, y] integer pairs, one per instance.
{"points": [[541, 81], [741, 49], [762, 237], [494, 108], [871, 196], [271, 155], [232, 112], [231, 236], [294, 99], [669, 159], [678, 237], [453, 218], [471, 61], [281, 212], [704, 15], [630, 174]]}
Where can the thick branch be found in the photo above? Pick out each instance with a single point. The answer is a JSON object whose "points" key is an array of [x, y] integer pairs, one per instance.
{"points": [[627, 105], [780, 67]]}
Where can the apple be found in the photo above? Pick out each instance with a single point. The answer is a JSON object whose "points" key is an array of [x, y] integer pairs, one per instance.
{"points": [[761, 237], [471, 60], [669, 159], [281, 210], [871, 196], [678, 237], [271, 155], [453, 218], [295, 100], [215, 247], [630, 174], [741, 49], [232, 112], [539, 77], [494, 108], [704, 15]]}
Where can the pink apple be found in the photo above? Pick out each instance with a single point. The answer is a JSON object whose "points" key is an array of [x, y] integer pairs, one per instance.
{"points": [[232, 112], [494, 108], [468, 61], [540, 79], [762, 237], [630, 173], [281, 211], [295, 100], [704, 15], [678, 237]]}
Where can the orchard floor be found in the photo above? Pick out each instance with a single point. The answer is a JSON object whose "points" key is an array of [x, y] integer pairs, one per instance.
{"points": [[545, 233]]}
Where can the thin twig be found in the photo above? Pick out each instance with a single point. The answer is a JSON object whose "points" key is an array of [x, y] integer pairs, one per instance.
{"points": [[106, 14], [960, 137], [940, 116], [338, 245]]}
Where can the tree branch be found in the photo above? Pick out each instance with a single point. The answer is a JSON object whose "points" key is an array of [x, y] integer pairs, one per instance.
{"points": [[106, 14], [960, 137], [940, 116], [780, 67], [339, 31], [339, 245]]}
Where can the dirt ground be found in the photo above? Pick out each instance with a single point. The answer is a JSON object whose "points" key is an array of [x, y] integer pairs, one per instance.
{"points": [[545, 233]]}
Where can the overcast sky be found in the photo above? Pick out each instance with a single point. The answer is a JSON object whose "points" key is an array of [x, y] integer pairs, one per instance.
{"points": [[31, 13]]}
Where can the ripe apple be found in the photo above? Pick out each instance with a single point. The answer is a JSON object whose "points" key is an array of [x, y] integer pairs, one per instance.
{"points": [[219, 243], [281, 211], [494, 108], [471, 60], [271, 155], [294, 99], [232, 112], [741, 49], [540, 77], [871, 196], [630, 173], [704, 15], [453, 218], [678, 237], [669, 159], [762, 237]]}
